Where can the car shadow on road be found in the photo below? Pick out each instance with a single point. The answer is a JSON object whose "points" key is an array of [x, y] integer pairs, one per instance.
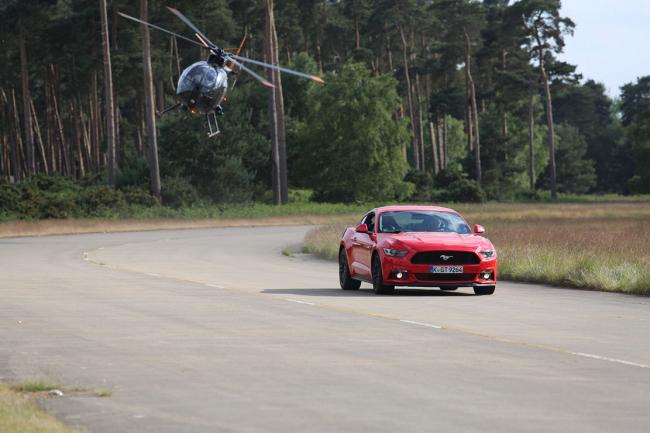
{"points": [[364, 292]]}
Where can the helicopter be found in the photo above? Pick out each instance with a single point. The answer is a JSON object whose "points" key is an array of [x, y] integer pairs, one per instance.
{"points": [[202, 86]]}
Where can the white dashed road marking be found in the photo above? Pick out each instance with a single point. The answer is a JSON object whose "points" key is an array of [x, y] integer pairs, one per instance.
{"points": [[428, 325], [300, 302], [604, 358]]}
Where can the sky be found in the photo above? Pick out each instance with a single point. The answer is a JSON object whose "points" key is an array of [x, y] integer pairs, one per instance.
{"points": [[611, 43]]}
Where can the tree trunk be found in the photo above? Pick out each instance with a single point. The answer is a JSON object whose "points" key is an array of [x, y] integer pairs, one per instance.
{"points": [[150, 115], [174, 60], [49, 122], [27, 117], [79, 168], [469, 130], [6, 137], [17, 141], [389, 51], [551, 133], [414, 141], [504, 117], [95, 138], [444, 157], [3, 138], [420, 121], [39, 138], [85, 138], [110, 107], [63, 147], [531, 136], [434, 149], [474, 110], [279, 100], [549, 115], [272, 107], [357, 35]]}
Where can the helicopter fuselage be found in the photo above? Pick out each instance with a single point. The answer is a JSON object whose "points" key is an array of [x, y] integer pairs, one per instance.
{"points": [[202, 87]]}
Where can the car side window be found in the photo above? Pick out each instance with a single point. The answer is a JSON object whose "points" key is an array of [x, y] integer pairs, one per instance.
{"points": [[369, 220]]}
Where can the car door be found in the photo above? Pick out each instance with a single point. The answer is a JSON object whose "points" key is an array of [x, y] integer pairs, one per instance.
{"points": [[362, 246]]}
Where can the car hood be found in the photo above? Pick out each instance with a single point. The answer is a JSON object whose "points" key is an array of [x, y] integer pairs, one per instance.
{"points": [[422, 241]]}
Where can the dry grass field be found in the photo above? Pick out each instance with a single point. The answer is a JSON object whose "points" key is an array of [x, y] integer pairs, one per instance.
{"points": [[599, 246]]}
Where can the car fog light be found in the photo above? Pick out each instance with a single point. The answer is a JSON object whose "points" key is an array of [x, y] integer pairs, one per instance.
{"points": [[487, 275], [399, 275]]}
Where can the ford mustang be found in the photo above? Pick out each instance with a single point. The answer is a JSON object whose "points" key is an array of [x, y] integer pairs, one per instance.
{"points": [[420, 246]]}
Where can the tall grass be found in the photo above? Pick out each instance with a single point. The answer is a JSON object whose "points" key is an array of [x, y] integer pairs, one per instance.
{"points": [[20, 414], [588, 246]]}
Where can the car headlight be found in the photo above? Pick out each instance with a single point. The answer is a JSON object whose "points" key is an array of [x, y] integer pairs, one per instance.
{"points": [[395, 253], [488, 254]]}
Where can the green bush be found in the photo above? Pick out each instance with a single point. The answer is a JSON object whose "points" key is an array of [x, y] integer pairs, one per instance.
{"points": [[101, 200], [51, 183], [140, 197], [300, 195], [461, 190], [58, 206], [454, 186], [9, 198], [30, 201], [178, 192]]}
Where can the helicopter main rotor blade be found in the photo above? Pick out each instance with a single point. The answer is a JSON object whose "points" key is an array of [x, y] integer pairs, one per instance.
{"points": [[192, 26], [254, 74], [160, 28], [277, 67]]}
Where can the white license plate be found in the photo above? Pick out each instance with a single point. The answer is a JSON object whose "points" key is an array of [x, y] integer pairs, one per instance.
{"points": [[446, 269]]}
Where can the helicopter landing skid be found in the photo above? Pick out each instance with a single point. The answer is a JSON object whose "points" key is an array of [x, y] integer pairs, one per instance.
{"points": [[213, 125]]}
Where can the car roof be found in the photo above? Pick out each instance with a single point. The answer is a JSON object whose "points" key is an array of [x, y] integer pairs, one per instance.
{"points": [[397, 208]]}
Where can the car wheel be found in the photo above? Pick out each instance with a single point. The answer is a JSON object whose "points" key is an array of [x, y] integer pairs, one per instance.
{"points": [[485, 290], [346, 280], [378, 279]]}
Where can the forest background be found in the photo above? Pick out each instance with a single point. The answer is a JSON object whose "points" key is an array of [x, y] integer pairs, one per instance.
{"points": [[425, 100]]}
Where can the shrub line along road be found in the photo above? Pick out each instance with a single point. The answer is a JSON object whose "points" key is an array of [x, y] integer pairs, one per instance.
{"points": [[216, 330]]}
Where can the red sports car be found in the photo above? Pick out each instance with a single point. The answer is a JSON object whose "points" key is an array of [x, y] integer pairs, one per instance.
{"points": [[422, 246]]}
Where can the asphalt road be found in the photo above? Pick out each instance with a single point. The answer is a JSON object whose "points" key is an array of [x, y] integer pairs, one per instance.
{"points": [[217, 331]]}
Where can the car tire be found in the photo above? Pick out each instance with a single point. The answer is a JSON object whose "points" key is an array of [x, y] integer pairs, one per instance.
{"points": [[346, 280], [378, 279], [485, 290]]}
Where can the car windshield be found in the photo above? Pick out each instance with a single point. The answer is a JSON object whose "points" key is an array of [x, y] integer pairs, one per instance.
{"points": [[422, 221]]}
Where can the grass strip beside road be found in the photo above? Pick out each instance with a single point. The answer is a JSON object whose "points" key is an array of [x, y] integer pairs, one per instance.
{"points": [[586, 246], [162, 218], [19, 413], [98, 225]]}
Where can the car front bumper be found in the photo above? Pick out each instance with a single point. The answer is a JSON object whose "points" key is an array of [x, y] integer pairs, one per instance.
{"points": [[417, 275]]}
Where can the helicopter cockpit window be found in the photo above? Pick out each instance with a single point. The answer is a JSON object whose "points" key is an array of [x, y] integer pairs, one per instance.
{"points": [[200, 77]]}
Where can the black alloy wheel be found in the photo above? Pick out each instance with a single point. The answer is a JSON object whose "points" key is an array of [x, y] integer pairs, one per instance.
{"points": [[378, 279], [345, 279]]}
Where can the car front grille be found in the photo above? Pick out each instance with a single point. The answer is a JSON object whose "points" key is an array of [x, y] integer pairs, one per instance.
{"points": [[445, 277], [438, 258]]}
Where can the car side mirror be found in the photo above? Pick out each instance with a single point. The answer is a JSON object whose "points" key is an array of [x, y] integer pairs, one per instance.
{"points": [[478, 229], [362, 228]]}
